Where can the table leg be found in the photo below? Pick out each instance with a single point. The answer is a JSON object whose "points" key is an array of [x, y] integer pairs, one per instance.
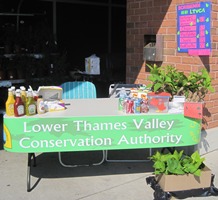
{"points": [[86, 165], [30, 156]]}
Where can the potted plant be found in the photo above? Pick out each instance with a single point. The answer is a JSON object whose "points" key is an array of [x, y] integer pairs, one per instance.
{"points": [[176, 171], [193, 87], [166, 79]]}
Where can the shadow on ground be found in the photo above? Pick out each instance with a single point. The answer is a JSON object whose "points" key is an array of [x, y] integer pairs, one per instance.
{"points": [[48, 166]]}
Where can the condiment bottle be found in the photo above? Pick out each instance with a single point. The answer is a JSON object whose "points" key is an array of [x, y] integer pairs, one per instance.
{"points": [[19, 109], [40, 105], [13, 91], [23, 94], [9, 105], [30, 106]]}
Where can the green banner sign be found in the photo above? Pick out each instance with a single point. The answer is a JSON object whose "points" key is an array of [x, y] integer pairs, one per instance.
{"points": [[52, 134]]}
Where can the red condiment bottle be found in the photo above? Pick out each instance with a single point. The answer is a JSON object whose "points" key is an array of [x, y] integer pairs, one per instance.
{"points": [[19, 109]]}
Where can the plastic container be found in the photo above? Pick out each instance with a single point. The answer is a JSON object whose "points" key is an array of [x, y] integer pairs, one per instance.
{"points": [[40, 105], [158, 103]]}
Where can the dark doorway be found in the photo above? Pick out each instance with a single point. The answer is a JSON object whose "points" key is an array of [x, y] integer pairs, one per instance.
{"points": [[83, 28], [90, 28]]}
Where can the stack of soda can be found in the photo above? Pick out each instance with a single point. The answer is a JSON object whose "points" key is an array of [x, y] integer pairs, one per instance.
{"points": [[135, 103]]}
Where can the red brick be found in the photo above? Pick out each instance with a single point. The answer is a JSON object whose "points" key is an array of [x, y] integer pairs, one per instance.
{"points": [[169, 23], [162, 31], [214, 96], [156, 23], [173, 59], [215, 8], [209, 104], [171, 45], [169, 52], [171, 16], [158, 17], [188, 60], [214, 38], [171, 30], [160, 2], [212, 125], [134, 5], [183, 67], [141, 11], [170, 38], [214, 110]]}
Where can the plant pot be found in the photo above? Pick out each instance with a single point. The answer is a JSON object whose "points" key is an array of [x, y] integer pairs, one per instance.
{"points": [[170, 183], [193, 109]]}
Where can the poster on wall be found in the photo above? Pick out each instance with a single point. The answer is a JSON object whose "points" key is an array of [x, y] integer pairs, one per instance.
{"points": [[193, 28]]}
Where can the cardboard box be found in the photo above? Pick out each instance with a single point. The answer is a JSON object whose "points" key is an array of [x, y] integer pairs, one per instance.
{"points": [[92, 65], [193, 110], [50, 92], [170, 183]]}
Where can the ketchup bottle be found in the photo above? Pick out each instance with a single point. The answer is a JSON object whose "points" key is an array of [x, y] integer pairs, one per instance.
{"points": [[19, 109]]}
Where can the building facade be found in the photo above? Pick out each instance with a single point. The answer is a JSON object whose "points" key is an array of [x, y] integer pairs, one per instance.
{"points": [[153, 20]]}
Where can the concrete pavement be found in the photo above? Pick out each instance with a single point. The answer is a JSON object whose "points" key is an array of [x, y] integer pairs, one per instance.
{"points": [[109, 181]]}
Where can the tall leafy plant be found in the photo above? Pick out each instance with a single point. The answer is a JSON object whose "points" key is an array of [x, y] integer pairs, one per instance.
{"points": [[198, 85], [168, 79]]}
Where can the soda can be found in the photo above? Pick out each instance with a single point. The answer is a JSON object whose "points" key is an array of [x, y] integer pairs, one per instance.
{"points": [[130, 106], [121, 102], [124, 105], [137, 106], [144, 106]]}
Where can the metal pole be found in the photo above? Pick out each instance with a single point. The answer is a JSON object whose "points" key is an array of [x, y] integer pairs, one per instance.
{"points": [[55, 20], [109, 40], [18, 16]]}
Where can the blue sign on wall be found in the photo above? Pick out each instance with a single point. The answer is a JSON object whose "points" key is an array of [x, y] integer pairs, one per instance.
{"points": [[193, 28]]}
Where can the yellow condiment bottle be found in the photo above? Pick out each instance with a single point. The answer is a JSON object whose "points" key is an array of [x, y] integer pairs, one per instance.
{"points": [[9, 105], [30, 105], [13, 91]]}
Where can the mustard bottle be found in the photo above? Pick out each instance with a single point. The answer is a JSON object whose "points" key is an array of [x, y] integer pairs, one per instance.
{"points": [[13, 91], [30, 106], [9, 105]]}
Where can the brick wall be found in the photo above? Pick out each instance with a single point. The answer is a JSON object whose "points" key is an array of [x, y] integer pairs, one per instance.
{"points": [[158, 17]]}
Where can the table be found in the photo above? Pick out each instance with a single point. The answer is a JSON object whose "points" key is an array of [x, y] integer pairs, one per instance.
{"points": [[96, 124]]}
